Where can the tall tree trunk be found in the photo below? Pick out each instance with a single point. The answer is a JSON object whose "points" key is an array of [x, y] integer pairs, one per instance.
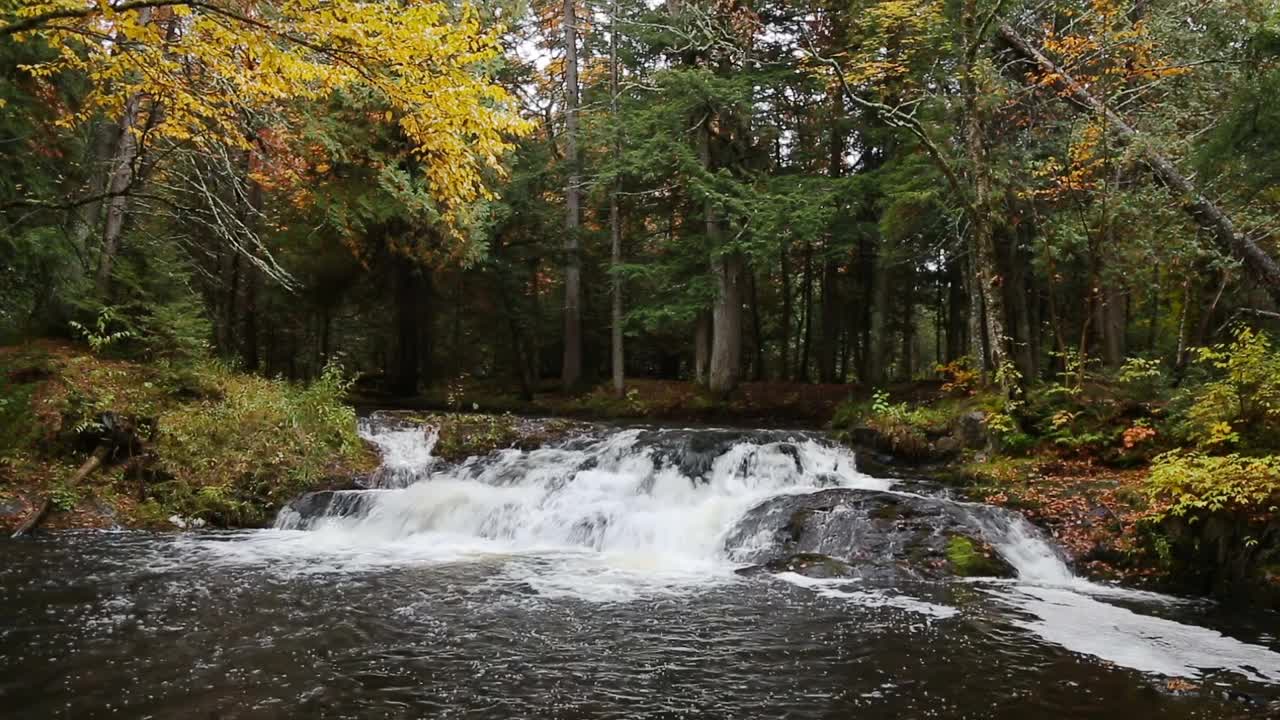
{"points": [[119, 182], [757, 334], [406, 380], [1016, 301], [726, 344], [977, 330], [829, 343], [571, 367], [701, 347], [426, 328], [249, 339], [957, 315], [1113, 324], [878, 350], [232, 307], [866, 313], [615, 222], [326, 334], [908, 285], [253, 211], [987, 259], [829, 339], [84, 221], [802, 366], [784, 329]]}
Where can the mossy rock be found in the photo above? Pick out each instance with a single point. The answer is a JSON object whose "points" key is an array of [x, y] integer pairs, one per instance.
{"points": [[973, 558]]}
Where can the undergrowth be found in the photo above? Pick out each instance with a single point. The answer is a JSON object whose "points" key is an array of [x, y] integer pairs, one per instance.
{"points": [[213, 443]]}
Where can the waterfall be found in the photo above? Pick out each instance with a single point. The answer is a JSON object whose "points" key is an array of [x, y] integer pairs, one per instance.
{"points": [[640, 500], [626, 513], [668, 496]]}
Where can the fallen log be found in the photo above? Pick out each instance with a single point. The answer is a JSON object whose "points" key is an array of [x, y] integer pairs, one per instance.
{"points": [[94, 462], [1257, 262]]}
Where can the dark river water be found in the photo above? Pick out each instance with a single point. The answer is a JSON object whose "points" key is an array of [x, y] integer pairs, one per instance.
{"points": [[466, 596]]}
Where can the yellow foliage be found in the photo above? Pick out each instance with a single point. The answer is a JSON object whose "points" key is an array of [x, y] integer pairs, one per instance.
{"points": [[195, 71], [1106, 53], [901, 30]]}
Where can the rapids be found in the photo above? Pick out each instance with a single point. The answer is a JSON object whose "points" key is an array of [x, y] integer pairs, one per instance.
{"points": [[602, 576]]}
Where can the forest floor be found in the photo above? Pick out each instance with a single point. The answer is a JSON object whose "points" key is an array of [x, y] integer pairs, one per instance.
{"points": [[755, 404], [1096, 513]]}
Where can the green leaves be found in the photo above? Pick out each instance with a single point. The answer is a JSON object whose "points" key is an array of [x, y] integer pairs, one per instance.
{"points": [[1190, 482]]}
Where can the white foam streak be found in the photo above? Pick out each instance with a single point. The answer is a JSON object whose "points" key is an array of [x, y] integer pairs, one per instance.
{"points": [[406, 452], [1084, 625], [837, 588]]}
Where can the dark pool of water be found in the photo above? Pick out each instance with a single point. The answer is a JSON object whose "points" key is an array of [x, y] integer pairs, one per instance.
{"points": [[107, 625]]}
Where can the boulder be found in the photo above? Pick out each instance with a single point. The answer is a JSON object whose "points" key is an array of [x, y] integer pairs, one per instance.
{"points": [[970, 431], [870, 534]]}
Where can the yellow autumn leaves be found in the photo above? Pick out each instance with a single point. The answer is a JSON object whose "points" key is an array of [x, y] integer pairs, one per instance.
{"points": [[205, 72]]}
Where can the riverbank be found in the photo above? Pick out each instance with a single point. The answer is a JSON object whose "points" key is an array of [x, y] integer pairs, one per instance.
{"points": [[1111, 480], [101, 442]]}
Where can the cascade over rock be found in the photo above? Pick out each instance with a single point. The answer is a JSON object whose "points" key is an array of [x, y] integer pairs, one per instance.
{"points": [[686, 500]]}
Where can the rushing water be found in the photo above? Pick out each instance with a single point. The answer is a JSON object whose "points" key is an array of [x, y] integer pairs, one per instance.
{"points": [[591, 579]]}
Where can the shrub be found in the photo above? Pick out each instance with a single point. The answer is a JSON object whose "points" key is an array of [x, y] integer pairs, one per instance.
{"points": [[1238, 406], [959, 377], [1142, 379], [1189, 482], [254, 443]]}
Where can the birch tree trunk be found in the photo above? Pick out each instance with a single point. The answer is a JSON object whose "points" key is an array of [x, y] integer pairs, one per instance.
{"points": [[123, 169]]}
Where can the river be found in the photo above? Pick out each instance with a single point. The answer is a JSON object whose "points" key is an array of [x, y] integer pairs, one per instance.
{"points": [[597, 578]]}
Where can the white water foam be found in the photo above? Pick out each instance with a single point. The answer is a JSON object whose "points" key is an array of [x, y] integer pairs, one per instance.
{"points": [[839, 588], [1070, 612], [1150, 644], [407, 453], [604, 520]]}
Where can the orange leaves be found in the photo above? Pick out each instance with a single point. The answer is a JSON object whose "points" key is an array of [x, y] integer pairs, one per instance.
{"points": [[1080, 172], [1137, 435]]}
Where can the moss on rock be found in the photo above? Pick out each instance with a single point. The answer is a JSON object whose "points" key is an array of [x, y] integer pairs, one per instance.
{"points": [[974, 558]]}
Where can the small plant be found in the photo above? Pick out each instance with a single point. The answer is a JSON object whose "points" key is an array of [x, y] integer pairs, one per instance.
{"points": [[101, 335], [1138, 434], [880, 404], [1239, 407], [959, 377], [1070, 382], [455, 392], [64, 497], [1141, 377]]}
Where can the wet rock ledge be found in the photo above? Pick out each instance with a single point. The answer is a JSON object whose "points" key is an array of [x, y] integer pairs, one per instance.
{"points": [[868, 534]]}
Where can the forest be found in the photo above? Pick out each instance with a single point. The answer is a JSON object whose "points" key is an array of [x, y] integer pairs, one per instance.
{"points": [[832, 192], [880, 214], [640, 358]]}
